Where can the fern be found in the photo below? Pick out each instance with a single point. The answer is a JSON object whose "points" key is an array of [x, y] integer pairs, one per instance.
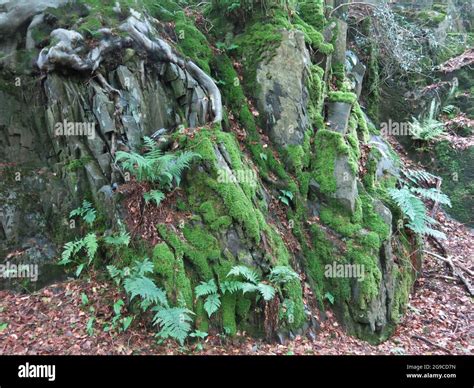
{"points": [[245, 272], [410, 205], [267, 291], [86, 212], [155, 196], [212, 304], [426, 130], [420, 176], [281, 275], [450, 110], [71, 249], [415, 210], [206, 288], [118, 240], [91, 246], [252, 283], [209, 290], [136, 164], [174, 322], [177, 165], [141, 268], [230, 286], [154, 166], [433, 194], [146, 289]]}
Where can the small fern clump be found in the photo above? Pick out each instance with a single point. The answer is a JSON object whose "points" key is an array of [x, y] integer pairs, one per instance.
{"points": [[209, 290], [86, 212], [245, 280], [409, 200], [428, 128], [174, 322], [163, 170], [73, 250]]}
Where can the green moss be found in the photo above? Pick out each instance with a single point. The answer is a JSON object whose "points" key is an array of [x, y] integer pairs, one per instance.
{"points": [[228, 301], [371, 219], [294, 292], [242, 306], [234, 98], [298, 155], [338, 221], [193, 44], [328, 146], [239, 207], [370, 284], [171, 269], [257, 45], [339, 75], [371, 241], [430, 17], [198, 258], [77, 164], [202, 320], [313, 37], [317, 90], [362, 127], [403, 284], [340, 96], [202, 143], [312, 12], [203, 241]]}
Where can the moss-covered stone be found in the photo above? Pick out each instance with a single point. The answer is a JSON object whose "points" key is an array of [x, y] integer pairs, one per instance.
{"points": [[171, 269]]}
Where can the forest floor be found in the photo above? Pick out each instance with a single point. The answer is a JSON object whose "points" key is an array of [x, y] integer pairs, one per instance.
{"points": [[57, 319], [54, 320]]}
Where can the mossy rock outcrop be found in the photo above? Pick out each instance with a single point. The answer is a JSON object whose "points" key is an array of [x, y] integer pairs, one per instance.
{"points": [[157, 81]]}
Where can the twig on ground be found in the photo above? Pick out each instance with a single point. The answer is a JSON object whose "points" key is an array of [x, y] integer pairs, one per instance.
{"points": [[454, 270], [429, 342]]}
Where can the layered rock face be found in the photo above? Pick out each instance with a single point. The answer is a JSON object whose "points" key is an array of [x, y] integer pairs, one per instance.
{"points": [[83, 98]]}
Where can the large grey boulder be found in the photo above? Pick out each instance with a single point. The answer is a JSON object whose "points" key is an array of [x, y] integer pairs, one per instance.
{"points": [[282, 95]]}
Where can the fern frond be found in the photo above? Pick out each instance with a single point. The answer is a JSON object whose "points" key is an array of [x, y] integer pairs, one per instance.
{"points": [[146, 289], [282, 274], [245, 272], [249, 287], [141, 268], [230, 286], [86, 212], [206, 288], [179, 164], [212, 304], [417, 176], [435, 233], [410, 205], [121, 239], [267, 291], [70, 249], [174, 322], [136, 164], [91, 245], [433, 194], [154, 195]]}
